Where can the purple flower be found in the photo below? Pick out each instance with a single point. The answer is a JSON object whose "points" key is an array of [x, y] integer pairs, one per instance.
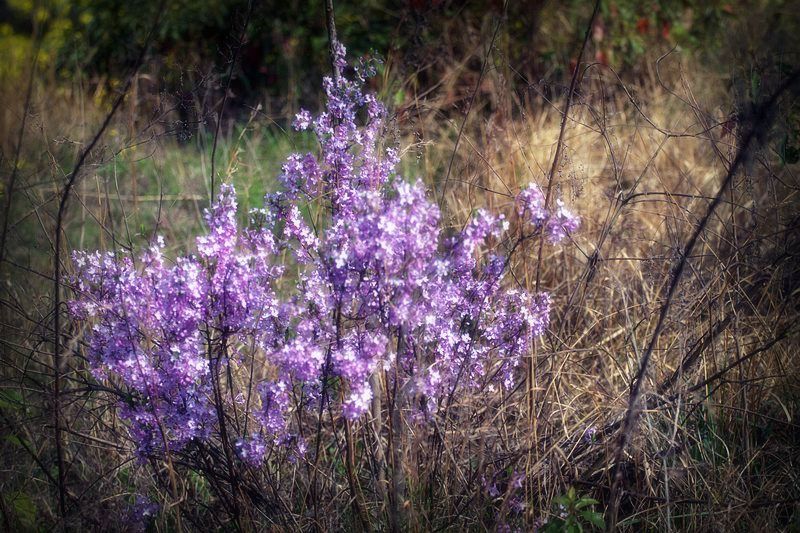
{"points": [[373, 285], [530, 205], [302, 120], [140, 514], [562, 223], [251, 450], [558, 223]]}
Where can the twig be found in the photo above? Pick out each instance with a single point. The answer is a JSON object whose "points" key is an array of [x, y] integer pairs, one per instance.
{"points": [[330, 22], [560, 144], [239, 45], [471, 101], [62, 209], [20, 136], [760, 119]]}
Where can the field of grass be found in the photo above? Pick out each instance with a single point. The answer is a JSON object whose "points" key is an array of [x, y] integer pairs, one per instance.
{"points": [[716, 442]]}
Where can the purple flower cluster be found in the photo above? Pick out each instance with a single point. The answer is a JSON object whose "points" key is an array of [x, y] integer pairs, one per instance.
{"points": [[557, 224], [373, 285], [160, 327], [140, 514]]}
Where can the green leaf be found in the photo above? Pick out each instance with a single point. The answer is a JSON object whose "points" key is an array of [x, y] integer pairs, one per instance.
{"points": [[594, 518], [11, 400], [13, 439], [124, 475], [553, 526], [561, 500], [24, 511], [399, 98], [585, 502]]}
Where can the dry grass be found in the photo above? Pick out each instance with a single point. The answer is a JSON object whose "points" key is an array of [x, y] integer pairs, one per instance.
{"points": [[716, 445]]}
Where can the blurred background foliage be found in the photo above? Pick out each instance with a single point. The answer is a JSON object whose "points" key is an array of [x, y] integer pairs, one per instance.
{"points": [[285, 50], [81, 51], [89, 46]]}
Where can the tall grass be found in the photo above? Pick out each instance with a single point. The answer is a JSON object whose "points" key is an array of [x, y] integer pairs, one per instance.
{"points": [[716, 444]]}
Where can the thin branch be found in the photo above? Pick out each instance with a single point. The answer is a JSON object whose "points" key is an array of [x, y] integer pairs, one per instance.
{"points": [[62, 209], [20, 136], [330, 22], [761, 119], [234, 59], [560, 144], [471, 101]]}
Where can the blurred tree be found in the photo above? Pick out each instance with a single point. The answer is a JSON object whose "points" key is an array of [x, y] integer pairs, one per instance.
{"points": [[286, 46]]}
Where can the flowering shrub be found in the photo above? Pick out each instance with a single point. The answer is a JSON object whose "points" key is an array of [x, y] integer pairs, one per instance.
{"points": [[345, 272]]}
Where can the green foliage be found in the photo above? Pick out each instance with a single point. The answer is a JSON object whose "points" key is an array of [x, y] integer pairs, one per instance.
{"points": [[286, 42], [627, 31], [23, 509], [23, 24], [635, 26], [574, 513], [285, 49], [11, 400], [199, 485]]}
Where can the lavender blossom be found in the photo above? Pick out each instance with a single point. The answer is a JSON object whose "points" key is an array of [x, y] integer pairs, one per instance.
{"points": [[377, 286]]}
